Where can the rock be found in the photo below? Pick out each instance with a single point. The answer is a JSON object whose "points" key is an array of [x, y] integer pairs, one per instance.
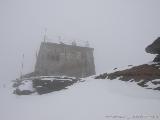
{"points": [[156, 82], [16, 83], [42, 84], [142, 74], [157, 58], [154, 48], [102, 76], [158, 88], [47, 86], [22, 92], [142, 84], [130, 65], [115, 69]]}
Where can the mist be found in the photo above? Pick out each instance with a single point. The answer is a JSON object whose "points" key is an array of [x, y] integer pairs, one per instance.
{"points": [[118, 30]]}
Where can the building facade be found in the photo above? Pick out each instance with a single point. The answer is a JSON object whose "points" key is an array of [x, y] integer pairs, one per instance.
{"points": [[63, 59]]}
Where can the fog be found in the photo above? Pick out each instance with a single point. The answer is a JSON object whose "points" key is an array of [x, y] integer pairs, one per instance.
{"points": [[118, 30]]}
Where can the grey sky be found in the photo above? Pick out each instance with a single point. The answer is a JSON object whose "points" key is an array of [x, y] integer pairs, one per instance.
{"points": [[119, 30]]}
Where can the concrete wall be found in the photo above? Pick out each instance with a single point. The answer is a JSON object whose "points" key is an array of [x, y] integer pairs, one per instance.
{"points": [[62, 59]]}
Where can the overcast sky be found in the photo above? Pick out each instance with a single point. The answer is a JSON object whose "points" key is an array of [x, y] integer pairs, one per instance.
{"points": [[119, 30]]}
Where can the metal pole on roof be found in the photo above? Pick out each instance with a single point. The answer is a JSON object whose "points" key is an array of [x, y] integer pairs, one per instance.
{"points": [[45, 34], [59, 38], [87, 44]]}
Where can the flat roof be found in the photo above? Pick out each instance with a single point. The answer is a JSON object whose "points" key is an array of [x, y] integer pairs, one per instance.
{"points": [[66, 45]]}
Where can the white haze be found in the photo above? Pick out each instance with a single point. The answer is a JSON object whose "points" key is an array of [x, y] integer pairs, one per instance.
{"points": [[119, 30]]}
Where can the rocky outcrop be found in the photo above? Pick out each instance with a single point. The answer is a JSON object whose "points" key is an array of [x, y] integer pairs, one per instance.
{"points": [[47, 86], [146, 75], [42, 84], [154, 48], [142, 72]]}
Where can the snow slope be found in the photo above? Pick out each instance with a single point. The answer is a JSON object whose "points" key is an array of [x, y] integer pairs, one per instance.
{"points": [[89, 100]]}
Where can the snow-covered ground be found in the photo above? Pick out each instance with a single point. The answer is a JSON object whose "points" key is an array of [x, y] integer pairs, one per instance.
{"points": [[89, 100]]}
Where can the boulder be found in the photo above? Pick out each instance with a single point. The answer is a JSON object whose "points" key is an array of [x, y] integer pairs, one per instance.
{"points": [[154, 48]]}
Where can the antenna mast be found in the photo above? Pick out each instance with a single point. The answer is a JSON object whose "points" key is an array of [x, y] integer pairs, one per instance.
{"points": [[59, 38], [87, 44], [45, 34]]}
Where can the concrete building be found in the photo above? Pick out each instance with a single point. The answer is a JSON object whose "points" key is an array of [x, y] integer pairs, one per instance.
{"points": [[63, 59]]}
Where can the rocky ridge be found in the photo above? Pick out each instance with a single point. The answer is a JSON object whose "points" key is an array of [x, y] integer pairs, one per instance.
{"points": [[145, 75]]}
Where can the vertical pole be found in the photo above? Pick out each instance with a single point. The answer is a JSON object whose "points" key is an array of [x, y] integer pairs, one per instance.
{"points": [[59, 39], [22, 66], [45, 34], [36, 55]]}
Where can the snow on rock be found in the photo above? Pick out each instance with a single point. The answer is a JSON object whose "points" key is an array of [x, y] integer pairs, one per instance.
{"points": [[143, 75], [42, 84]]}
